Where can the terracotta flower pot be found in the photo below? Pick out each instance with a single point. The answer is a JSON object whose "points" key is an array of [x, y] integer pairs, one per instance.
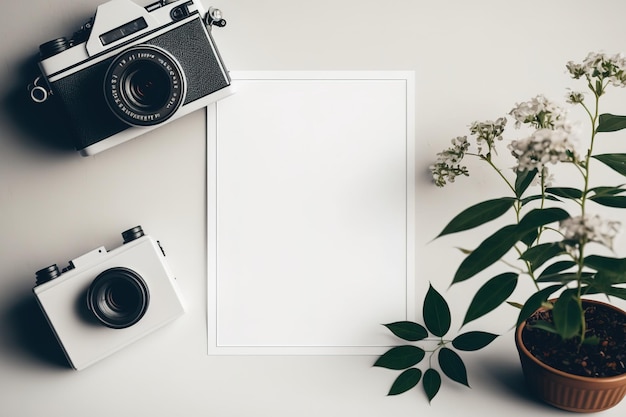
{"points": [[567, 391]]}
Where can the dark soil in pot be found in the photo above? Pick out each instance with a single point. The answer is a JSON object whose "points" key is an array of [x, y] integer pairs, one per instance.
{"points": [[603, 359]]}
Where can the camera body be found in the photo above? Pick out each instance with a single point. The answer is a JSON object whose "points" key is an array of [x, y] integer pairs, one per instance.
{"points": [[105, 300], [131, 69]]}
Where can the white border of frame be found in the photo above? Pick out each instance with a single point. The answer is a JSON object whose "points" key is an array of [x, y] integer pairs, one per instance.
{"points": [[212, 159]]}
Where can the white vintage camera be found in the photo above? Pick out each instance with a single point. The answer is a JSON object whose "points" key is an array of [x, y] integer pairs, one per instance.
{"points": [[103, 301], [131, 69]]}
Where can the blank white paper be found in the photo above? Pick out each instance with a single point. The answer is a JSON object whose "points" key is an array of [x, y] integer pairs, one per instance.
{"points": [[310, 229]]}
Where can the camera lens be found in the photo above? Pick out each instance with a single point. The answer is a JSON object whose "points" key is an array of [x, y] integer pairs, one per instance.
{"points": [[118, 297], [144, 86]]}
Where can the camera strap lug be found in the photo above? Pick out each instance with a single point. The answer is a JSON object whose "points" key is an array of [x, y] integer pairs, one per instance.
{"points": [[38, 93], [214, 18]]}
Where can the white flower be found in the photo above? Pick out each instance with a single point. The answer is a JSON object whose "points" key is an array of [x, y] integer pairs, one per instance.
{"points": [[602, 67], [488, 131], [542, 147], [588, 228], [448, 165], [540, 112], [574, 97]]}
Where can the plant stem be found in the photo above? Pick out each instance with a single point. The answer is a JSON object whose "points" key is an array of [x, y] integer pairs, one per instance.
{"points": [[505, 179], [586, 175]]}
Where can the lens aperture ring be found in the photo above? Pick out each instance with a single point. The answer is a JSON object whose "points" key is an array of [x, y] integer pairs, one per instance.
{"points": [[118, 297], [144, 86]]}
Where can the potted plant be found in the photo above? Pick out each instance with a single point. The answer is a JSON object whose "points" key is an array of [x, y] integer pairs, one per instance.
{"points": [[553, 236]]}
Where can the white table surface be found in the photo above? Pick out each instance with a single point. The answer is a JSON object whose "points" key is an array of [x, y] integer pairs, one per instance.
{"points": [[473, 60]]}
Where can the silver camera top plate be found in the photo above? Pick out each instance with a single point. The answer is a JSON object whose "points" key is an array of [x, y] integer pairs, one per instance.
{"points": [[117, 19]]}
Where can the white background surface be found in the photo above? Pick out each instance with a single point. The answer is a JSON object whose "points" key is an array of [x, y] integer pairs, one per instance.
{"points": [[473, 60]]}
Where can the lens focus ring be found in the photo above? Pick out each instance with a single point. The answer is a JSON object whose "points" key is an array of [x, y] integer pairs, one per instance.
{"points": [[144, 86], [118, 297]]}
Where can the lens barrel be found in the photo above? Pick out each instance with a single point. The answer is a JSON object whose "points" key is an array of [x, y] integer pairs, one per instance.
{"points": [[144, 86], [118, 297]]}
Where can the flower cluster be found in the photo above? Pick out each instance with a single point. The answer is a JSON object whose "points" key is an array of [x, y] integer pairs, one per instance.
{"points": [[448, 165], [575, 97], [549, 144], [586, 228], [601, 67], [488, 132], [544, 146], [540, 113]]}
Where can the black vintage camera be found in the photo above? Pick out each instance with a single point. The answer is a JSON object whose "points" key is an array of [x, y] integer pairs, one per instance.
{"points": [[131, 69]]}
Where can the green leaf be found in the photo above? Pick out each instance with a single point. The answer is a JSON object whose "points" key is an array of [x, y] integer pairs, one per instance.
{"points": [[604, 263], [488, 252], [432, 383], [534, 302], [616, 292], [405, 381], [606, 191], [540, 254], [478, 214], [498, 244], [610, 291], [611, 123], [541, 217], [557, 267], [408, 330], [599, 90], [611, 271], [567, 315], [544, 325], [465, 251], [452, 366], [565, 192], [401, 357], [615, 161], [472, 341], [530, 237], [564, 278], [436, 313], [592, 340], [616, 201], [523, 180], [514, 304], [491, 295], [538, 197]]}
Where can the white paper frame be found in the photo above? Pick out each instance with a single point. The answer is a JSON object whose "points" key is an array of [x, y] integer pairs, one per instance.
{"points": [[257, 167]]}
